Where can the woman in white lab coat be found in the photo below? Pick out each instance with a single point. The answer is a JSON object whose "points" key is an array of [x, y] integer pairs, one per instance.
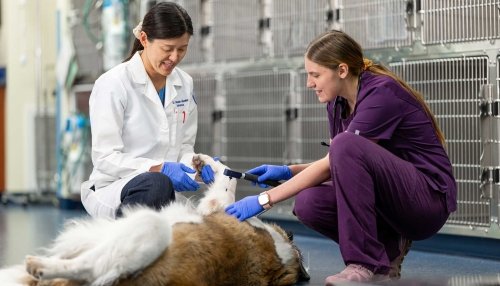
{"points": [[143, 117]]}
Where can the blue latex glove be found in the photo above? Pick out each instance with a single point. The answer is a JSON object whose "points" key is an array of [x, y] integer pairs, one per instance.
{"points": [[207, 174], [245, 208], [271, 172], [177, 174]]}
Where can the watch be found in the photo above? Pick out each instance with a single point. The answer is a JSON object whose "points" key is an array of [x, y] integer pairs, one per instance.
{"points": [[265, 200]]}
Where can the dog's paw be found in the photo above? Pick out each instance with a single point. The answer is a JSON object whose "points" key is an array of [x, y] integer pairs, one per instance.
{"points": [[200, 160], [35, 266]]}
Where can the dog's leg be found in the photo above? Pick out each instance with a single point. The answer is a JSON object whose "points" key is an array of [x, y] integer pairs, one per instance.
{"points": [[78, 236], [52, 267], [221, 192], [131, 244]]}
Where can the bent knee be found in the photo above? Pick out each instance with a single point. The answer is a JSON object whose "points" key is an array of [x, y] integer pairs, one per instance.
{"points": [[151, 189], [348, 145], [304, 207]]}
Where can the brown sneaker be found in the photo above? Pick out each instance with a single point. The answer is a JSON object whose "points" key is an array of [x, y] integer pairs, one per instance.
{"points": [[404, 248], [355, 273]]}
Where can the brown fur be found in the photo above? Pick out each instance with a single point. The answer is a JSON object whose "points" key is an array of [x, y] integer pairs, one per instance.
{"points": [[220, 251]]}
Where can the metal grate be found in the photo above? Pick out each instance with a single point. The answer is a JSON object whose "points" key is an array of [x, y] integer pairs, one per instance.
{"points": [[314, 123], [194, 54], [451, 87], [377, 23], [255, 118], [447, 21], [205, 90], [236, 30], [498, 76], [295, 23]]}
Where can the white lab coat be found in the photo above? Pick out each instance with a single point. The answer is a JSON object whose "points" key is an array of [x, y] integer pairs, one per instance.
{"points": [[132, 131]]}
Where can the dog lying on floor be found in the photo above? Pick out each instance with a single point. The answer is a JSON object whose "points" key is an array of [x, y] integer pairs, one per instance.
{"points": [[178, 245]]}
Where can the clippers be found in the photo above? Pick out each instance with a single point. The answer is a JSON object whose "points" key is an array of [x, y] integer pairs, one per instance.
{"points": [[249, 177]]}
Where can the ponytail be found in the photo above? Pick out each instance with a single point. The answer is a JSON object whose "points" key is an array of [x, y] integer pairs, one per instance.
{"points": [[136, 46], [381, 70]]}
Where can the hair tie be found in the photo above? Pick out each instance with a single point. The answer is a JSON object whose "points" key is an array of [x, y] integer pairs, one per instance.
{"points": [[367, 64], [137, 30]]}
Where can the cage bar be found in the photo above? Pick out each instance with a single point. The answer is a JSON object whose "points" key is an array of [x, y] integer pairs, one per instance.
{"points": [[255, 118], [194, 54], [205, 88], [314, 123], [236, 30], [376, 24], [295, 23], [450, 21], [451, 87]]}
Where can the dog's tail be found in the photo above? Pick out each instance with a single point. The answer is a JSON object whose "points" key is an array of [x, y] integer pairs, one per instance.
{"points": [[16, 276]]}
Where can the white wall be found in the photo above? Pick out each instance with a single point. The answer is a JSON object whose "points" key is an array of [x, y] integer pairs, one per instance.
{"points": [[26, 29]]}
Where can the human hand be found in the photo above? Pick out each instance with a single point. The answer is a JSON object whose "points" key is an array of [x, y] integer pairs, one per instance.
{"points": [[177, 174], [207, 173], [271, 172], [245, 208]]}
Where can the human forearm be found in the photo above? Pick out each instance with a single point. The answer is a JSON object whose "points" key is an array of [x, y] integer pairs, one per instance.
{"points": [[295, 169], [311, 175]]}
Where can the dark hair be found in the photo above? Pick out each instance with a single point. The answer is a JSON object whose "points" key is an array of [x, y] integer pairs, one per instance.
{"points": [[332, 48], [165, 20]]}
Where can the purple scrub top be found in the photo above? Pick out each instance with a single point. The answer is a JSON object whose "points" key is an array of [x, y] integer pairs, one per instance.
{"points": [[386, 112]]}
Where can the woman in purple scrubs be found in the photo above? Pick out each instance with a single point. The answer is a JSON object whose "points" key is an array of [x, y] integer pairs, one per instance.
{"points": [[386, 179]]}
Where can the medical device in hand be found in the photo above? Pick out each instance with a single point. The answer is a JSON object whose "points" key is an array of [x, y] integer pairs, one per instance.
{"points": [[249, 177]]}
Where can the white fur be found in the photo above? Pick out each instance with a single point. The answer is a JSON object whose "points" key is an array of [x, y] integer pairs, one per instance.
{"points": [[221, 191], [179, 212], [100, 251], [283, 248], [12, 276], [107, 249]]}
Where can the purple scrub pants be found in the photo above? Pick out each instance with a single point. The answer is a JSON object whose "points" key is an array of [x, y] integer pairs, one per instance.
{"points": [[374, 198]]}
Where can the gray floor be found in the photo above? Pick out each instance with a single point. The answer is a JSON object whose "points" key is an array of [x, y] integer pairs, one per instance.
{"points": [[24, 230]]}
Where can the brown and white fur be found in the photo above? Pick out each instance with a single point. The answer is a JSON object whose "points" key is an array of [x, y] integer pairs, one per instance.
{"points": [[178, 245]]}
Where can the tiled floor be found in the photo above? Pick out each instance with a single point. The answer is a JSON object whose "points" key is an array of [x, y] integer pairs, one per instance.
{"points": [[24, 230]]}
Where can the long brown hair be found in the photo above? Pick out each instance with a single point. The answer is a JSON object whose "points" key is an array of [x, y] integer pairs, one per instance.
{"points": [[165, 20], [335, 47]]}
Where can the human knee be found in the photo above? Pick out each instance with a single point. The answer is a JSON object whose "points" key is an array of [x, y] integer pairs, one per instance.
{"points": [[161, 191], [162, 187], [151, 188], [303, 209], [347, 145]]}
